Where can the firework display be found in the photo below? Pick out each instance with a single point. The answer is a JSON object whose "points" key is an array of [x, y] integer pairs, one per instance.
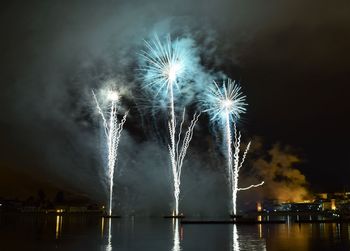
{"points": [[165, 71]]}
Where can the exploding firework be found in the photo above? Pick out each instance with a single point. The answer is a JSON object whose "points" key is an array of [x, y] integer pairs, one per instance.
{"points": [[112, 129], [164, 70], [165, 66], [224, 105]]}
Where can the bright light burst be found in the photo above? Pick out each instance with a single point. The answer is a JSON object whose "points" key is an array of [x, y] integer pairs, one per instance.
{"points": [[227, 100], [164, 65], [113, 96], [113, 129]]}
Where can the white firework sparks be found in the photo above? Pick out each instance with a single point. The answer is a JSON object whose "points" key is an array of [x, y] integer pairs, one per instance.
{"points": [[224, 103], [164, 65], [113, 129], [177, 150], [164, 71], [224, 106], [235, 168]]}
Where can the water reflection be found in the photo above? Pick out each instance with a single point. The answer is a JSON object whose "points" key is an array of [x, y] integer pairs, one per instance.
{"points": [[243, 239], [176, 239], [91, 233], [107, 221], [235, 244], [58, 226], [109, 243], [260, 227], [260, 231], [102, 227]]}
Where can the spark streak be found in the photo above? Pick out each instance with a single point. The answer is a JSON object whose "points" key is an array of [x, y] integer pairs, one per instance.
{"points": [[178, 150], [237, 164], [112, 129], [165, 67]]}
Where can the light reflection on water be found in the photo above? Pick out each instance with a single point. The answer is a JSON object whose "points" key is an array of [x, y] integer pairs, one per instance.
{"points": [[177, 244], [247, 241], [102, 226], [235, 244], [108, 221], [109, 244], [63, 232], [59, 220]]}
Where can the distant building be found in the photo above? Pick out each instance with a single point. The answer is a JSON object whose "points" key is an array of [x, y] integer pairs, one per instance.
{"points": [[273, 206], [306, 207]]}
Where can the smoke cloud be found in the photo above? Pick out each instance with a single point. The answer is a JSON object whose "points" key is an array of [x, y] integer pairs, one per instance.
{"points": [[283, 181]]}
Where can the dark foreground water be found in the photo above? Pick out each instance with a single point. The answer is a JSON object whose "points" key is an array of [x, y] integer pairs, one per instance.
{"points": [[51, 232]]}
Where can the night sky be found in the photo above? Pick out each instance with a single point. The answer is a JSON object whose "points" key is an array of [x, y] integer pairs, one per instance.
{"points": [[291, 58]]}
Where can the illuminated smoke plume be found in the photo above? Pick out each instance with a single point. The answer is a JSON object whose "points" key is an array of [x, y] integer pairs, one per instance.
{"points": [[284, 182]]}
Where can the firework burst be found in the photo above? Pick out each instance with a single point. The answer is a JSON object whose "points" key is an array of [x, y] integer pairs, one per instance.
{"points": [[225, 101], [164, 65]]}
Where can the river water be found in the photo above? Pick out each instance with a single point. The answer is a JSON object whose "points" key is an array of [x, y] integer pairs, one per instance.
{"points": [[91, 232]]}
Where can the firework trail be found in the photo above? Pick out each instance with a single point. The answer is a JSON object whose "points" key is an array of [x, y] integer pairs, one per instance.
{"points": [[178, 151], [165, 71], [224, 106], [113, 129]]}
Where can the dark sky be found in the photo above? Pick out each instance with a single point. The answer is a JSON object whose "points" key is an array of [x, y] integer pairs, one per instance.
{"points": [[292, 58]]}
